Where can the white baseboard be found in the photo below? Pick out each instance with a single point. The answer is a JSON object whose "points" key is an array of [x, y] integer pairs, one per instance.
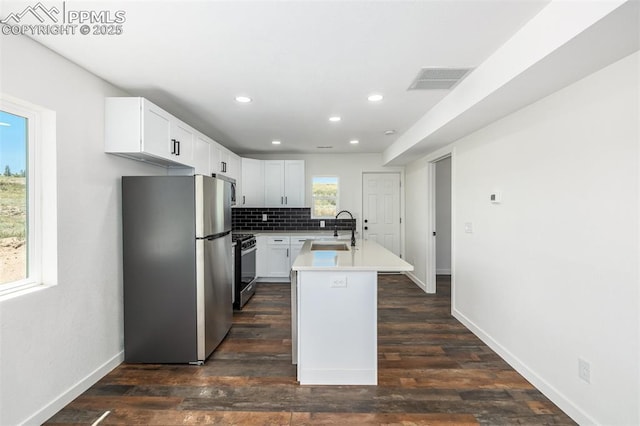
{"points": [[74, 391], [416, 281], [557, 397]]}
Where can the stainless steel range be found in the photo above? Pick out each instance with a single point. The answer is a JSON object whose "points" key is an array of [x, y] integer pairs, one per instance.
{"points": [[245, 268]]}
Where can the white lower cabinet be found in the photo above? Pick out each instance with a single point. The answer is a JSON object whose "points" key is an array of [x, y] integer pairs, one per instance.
{"points": [[276, 254], [278, 257], [296, 245]]}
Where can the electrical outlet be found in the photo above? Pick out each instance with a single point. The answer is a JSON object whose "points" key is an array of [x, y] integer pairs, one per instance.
{"points": [[584, 370], [338, 281], [322, 224], [468, 227], [264, 217]]}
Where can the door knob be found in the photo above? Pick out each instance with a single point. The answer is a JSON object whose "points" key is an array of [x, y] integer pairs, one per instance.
{"points": [[366, 228], [366, 221]]}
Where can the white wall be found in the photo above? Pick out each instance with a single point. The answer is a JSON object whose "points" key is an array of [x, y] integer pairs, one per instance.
{"points": [[443, 216], [53, 341], [551, 274], [417, 227]]}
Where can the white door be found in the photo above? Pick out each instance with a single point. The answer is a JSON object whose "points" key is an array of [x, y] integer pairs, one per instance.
{"points": [[381, 209]]}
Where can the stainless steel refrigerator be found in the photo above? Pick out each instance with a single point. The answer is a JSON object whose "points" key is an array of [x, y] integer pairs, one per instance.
{"points": [[176, 233]]}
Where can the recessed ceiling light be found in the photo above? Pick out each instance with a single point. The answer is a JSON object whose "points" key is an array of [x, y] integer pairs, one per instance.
{"points": [[276, 142], [375, 97], [243, 99], [334, 118], [390, 132], [354, 141]]}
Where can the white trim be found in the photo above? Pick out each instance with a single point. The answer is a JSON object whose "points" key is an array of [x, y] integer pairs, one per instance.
{"points": [[74, 391], [538, 382], [430, 261], [42, 175], [443, 271], [313, 199], [416, 281]]}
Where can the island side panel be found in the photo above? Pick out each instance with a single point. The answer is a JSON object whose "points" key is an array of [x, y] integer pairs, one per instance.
{"points": [[337, 327]]}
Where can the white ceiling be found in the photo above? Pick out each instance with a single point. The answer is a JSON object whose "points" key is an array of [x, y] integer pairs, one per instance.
{"points": [[300, 61]]}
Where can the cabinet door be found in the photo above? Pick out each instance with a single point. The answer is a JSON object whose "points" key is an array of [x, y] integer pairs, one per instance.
{"points": [[201, 156], [216, 153], [278, 259], [234, 168], [278, 263], [294, 183], [156, 131], [274, 183], [252, 183], [182, 137], [224, 161], [296, 246]]}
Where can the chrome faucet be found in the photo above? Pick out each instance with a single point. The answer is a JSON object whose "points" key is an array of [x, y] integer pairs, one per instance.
{"points": [[353, 227]]}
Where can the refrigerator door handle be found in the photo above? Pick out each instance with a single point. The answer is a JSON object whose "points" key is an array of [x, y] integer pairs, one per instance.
{"points": [[214, 236]]}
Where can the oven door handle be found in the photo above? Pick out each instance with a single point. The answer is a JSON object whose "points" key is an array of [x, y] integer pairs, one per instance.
{"points": [[247, 251]]}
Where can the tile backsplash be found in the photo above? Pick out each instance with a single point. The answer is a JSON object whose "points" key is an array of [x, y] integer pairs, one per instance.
{"points": [[282, 219]]}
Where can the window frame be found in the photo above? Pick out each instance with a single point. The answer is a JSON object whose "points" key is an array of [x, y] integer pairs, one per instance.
{"points": [[41, 232], [313, 197]]}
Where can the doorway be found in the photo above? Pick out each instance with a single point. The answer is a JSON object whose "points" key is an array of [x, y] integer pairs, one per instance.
{"points": [[381, 209], [439, 240], [443, 216]]}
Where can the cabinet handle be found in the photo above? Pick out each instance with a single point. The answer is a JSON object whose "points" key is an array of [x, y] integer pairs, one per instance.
{"points": [[281, 200], [173, 146], [223, 166], [178, 153], [285, 200], [278, 240], [287, 252], [244, 200]]}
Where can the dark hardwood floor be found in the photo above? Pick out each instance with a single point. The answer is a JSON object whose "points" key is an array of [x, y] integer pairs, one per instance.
{"points": [[432, 371]]}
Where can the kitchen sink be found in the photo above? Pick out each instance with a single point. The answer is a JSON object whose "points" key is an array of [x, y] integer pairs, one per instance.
{"points": [[329, 246]]}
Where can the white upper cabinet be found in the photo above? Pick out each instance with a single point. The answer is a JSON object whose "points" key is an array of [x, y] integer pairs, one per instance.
{"points": [[138, 129], [252, 183], [294, 183], [202, 155], [274, 183], [284, 183], [234, 166], [224, 161], [182, 141]]}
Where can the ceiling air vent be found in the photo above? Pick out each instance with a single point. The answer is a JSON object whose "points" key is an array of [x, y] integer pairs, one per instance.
{"points": [[438, 78]]}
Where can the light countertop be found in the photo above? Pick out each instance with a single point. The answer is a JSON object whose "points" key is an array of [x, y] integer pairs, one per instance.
{"points": [[365, 256]]}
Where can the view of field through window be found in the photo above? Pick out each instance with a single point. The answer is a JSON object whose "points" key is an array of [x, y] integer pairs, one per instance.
{"points": [[13, 198], [325, 196]]}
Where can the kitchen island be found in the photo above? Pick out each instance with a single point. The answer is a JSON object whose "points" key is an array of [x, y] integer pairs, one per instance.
{"points": [[334, 290]]}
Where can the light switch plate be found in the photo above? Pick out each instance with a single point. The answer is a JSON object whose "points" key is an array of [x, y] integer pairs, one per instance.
{"points": [[264, 217]]}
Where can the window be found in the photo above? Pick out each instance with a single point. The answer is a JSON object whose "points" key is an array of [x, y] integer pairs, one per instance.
{"points": [[28, 231], [324, 190], [14, 184]]}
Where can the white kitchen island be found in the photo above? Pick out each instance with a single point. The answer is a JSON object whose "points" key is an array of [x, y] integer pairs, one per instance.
{"points": [[335, 311]]}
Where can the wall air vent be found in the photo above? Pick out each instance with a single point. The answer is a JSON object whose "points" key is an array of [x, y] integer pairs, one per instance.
{"points": [[439, 78]]}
